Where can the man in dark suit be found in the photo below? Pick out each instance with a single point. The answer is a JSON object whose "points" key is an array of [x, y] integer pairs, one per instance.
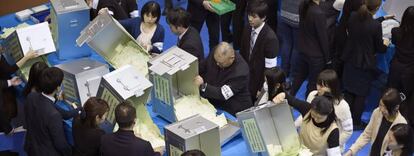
{"points": [[124, 142], [225, 80], [45, 134], [259, 46], [4, 118], [201, 10], [188, 37]]}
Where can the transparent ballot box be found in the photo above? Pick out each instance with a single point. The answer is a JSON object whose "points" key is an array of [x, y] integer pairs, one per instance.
{"points": [[175, 97], [68, 18], [109, 39], [35, 37], [126, 83], [269, 130], [192, 133], [82, 78], [397, 7]]}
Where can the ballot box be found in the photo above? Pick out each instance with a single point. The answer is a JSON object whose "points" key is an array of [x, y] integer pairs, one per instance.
{"points": [[126, 83], [109, 39], [397, 7], [35, 37], [269, 130], [176, 97], [82, 78], [68, 18], [192, 133]]}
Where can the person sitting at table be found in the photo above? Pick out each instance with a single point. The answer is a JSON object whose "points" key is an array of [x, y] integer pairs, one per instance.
{"points": [[224, 81], [319, 131], [86, 132], [364, 42], [188, 37], [378, 130], [146, 29], [401, 139], [124, 142], [45, 134]]}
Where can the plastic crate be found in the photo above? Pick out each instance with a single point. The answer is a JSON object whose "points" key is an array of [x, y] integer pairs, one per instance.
{"points": [[223, 6]]}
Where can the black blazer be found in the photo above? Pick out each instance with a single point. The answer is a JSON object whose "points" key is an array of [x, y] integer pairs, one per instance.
{"points": [[266, 46], [4, 119], [125, 143], [87, 139], [364, 41], [236, 77], [44, 134], [191, 43], [8, 104], [313, 33]]}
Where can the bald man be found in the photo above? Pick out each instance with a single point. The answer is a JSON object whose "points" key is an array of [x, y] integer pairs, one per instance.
{"points": [[224, 80]]}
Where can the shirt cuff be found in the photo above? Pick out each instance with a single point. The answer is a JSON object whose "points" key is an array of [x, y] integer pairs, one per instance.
{"points": [[9, 83], [134, 14], [336, 151], [270, 62]]}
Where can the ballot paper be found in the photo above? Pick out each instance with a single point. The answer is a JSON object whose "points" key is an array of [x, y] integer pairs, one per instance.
{"points": [[387, 26], [36, 37], [129, 54], [191, 105]]}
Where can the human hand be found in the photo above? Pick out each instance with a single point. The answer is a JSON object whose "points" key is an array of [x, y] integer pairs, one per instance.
{"points": [[387, 17], [103, 10], [207, 6], [387, 42], [15, 81], [198, 80], [31, 54], [279, 98]]}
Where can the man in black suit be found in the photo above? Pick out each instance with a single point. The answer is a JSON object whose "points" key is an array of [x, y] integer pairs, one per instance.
{"points": [[201, 10], [4, 118], [45, 134], [188, 37], [259, 46], [124, 142], [225, 80]]}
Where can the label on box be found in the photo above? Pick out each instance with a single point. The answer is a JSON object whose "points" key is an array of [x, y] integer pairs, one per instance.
{"points": [[162, 89], [174, 151], [112, 102], [253, 136]]}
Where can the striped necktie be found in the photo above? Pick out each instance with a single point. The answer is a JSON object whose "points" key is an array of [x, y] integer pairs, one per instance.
{"points": [[253, 36]]}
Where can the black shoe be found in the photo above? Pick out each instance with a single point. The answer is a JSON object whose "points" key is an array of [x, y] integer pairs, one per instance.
{"points": [[360, 126]]}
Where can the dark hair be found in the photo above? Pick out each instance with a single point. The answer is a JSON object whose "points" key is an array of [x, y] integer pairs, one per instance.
{"points": [[34, 77], [367, 7], [404, 135], [51, 78], [391, 99], [407, 25], [125, 114], [257, 7], [324, 106], [94, 106], [178, 17], [193, 153], [153, 8], [329, 78], [275, 76]]}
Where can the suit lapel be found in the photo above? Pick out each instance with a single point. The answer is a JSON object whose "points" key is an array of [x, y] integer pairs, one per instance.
{"points": [[259, 39]]}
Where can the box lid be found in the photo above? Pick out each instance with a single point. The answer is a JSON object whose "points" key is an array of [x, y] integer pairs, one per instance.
{"points": [[128, 82], [64, 6], [191, 126], [171, 61], [80, 65]]}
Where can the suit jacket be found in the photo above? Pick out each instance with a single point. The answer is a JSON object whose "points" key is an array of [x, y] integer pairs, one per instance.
{"points": [[133, 26], [8, 103], [44, 134], [236, 77], [87, 139], [191, 43], [266, 46], [4, 119], [196, 9], [125, 143]]}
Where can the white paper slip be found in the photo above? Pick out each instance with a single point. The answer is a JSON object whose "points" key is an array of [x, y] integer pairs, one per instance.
{"points": [[37, 37]]}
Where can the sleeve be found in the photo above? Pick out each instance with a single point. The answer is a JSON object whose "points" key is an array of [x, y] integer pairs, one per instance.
{"points": [[394, 35], [68, 114], [302, 106], [4, 84], [345, 120], [149, 150], [7, 69], [128, 25], [365, 137], [322, 31], [380, 19], [198, 2], [55, 128], [339, 4], [193, 51], [271, 52], [158, 44], [333, 144], [225, 92], [132, 8], [379, 42]]}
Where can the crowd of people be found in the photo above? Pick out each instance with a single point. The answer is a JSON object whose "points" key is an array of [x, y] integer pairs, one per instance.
{"points": [[336, 57]]}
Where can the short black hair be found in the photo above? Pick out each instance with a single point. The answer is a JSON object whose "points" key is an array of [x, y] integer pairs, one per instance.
{"points": [[178, 17], [152, 8], [193, 153], [125, 114], [391, 99], [50, 80], [257, 7]]}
